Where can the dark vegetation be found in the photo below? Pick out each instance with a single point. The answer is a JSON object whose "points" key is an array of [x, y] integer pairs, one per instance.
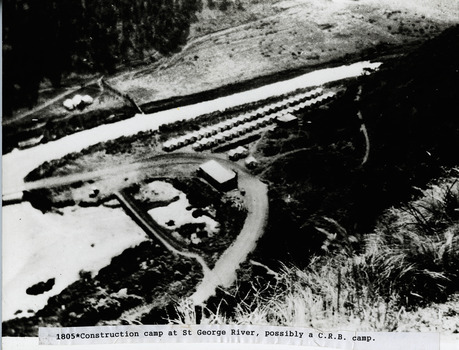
{"points": [[51, 39], [409, 110], [52, 199], [224, 5], [207, 201], [324, 201], [413, 250], [41, 287], [145, 275]]}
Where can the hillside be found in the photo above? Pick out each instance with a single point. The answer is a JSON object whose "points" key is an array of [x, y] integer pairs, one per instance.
{"points": [[408, 110], [81, 38], [263, 38], [363, 187], [210, 48], [366, 243]]}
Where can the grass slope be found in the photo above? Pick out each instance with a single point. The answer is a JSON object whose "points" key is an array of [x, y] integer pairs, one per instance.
{"points": [[403, 278], [284, 38], [408, 109], [362, 245]]}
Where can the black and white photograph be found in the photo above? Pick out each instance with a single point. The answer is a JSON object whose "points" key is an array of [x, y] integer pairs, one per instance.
{"points": [[231, 162]]}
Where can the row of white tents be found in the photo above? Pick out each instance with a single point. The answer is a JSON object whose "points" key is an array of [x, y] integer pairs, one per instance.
{"points": [[213, 135], [233, 133]]}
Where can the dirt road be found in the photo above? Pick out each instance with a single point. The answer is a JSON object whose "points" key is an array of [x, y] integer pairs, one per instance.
{"points": [[224, 272], [17, 164], [126, 203], [255, 199]]}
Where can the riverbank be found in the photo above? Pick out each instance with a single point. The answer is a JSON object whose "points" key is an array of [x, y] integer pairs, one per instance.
{"points": [[284, 38], [18, 164]]}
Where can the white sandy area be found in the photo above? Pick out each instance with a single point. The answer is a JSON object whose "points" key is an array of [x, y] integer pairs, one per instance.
{"points": [[160, 191], [179, 211], [37, 247], [17, 164]]}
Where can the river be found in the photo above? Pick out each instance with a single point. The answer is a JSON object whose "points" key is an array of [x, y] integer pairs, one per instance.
{"points": [[33, 241], [18, 163]]}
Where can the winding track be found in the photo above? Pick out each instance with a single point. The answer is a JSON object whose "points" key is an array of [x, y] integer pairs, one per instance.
{"points": [[19, 163], [256, 201]]}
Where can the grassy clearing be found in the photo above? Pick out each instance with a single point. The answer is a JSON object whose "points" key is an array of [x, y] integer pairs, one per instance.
{"points": [[285, 38], [282, 36], [405, 277]]}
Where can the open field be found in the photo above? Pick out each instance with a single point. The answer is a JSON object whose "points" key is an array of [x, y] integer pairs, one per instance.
{"points": [[284, 38]]}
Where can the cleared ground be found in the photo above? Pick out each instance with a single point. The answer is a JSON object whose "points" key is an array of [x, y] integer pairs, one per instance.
{"points": [[273, 36], [19, 163], [243, 47], [75, 230]]}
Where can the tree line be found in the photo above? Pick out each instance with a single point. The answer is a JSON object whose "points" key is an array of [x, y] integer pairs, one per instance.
{"points": [[53, 38]]}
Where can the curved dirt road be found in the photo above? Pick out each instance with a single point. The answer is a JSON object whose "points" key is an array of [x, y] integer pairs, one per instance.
{"points": [[224, 272], [17, 164], [255, 199]]}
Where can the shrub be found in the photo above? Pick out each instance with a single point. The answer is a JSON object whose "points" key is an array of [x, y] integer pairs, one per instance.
{"points": [[410, 260]]}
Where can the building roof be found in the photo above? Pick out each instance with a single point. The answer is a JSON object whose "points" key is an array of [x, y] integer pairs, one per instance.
{"points": [[217, 171], [237, 150], [286, 118], [250, 159]]}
